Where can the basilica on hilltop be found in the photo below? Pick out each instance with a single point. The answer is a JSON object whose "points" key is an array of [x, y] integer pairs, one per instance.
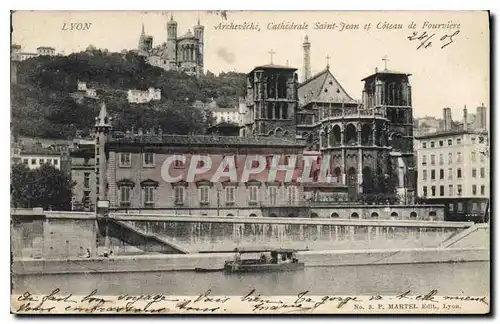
{"points": [[180, 53]]}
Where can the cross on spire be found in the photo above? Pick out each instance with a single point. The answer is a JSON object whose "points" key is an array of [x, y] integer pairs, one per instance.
{"points": [[385, 59], [271, 53], [328, 61]]}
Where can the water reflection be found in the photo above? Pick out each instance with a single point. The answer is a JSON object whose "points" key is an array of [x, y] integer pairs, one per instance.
{"points": [[470, 278]]}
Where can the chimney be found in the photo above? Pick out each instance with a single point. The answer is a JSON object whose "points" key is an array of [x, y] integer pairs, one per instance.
{"points": [[466, 126], [447, 119], [481, 117]]}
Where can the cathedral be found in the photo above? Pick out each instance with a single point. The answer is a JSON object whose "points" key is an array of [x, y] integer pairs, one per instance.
{"points": [[368, 143], [179, 53]]}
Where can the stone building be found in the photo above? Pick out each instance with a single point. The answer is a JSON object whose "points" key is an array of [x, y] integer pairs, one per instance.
{"points": [[454, 170], [180, 53], [271, 102], [143, 96], [83, 176]]}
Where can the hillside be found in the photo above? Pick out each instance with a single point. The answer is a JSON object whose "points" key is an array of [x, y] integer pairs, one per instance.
{"points": [[43, 106]]}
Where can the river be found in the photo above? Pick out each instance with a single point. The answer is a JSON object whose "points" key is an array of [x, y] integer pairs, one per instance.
{"points": [[470, 278]]}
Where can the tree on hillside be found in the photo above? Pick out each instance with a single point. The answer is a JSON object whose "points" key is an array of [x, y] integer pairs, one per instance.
{"points": [[45, 187]]}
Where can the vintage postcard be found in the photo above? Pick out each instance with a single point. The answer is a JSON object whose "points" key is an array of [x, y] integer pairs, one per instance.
{"points": [[250, 162]]}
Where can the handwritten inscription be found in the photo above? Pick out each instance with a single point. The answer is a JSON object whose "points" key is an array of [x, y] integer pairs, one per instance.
{"points": [[58, 301], [425, 40]]}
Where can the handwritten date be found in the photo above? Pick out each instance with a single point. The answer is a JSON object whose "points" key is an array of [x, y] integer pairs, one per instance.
{"points": [[425, 40]]}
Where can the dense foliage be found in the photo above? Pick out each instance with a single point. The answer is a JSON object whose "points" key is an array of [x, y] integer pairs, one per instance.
{"points": [[43, 103], [45, 187]]}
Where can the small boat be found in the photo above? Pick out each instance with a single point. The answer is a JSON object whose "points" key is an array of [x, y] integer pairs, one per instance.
{"points": [[208, 270], [280, 260]]}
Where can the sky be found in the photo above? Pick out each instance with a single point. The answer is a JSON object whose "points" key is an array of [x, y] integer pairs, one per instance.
{"points": [[455, 76]]}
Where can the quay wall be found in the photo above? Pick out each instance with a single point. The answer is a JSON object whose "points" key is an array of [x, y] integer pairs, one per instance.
{"points": [[226, 233], [39, 234]]}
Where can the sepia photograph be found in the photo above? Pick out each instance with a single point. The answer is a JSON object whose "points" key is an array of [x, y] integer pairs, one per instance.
{"points": [[250, 162]]}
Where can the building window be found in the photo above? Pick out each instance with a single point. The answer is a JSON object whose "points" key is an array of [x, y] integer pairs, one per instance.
{"points": [[450, 174], [125, 160], [441, 174], [204, 190], [424, 144], [56, 162], [25, 161], [433, 159], [125, 196], [459, 173], [252, 192], [459, 141], [148, 159], [179, 195], [459, 189], [441, 191], [33, 161], [481, 171], [450, 190], [482, 190], [450, 142], [230, 195], [292, 193], [424, 159], [424, 189], [459, 157], [474, 173], [473, 140], [441, 159], [424, 175], [441, 143], [474, 190], [460, 207], [473, 156], [432, 143], [86, 179], [148, 196], [481, 158], [433, 191], [450, 158], [273, 194], [42, 161], [433, 174], [49, 161]]}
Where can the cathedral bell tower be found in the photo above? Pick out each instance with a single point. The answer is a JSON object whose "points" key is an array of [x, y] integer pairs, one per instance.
{"points": [[388, 93], [102, 130], [273, 101], [172, 39]]}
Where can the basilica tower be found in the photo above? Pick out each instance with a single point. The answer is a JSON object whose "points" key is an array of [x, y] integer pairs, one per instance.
{"points": [[198, 33], [172, 39]]}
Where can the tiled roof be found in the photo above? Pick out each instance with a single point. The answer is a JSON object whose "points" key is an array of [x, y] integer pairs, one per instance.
{"points": [[323, 87], [40, 151], [203, 140], [452, 133], [273, 66]]}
